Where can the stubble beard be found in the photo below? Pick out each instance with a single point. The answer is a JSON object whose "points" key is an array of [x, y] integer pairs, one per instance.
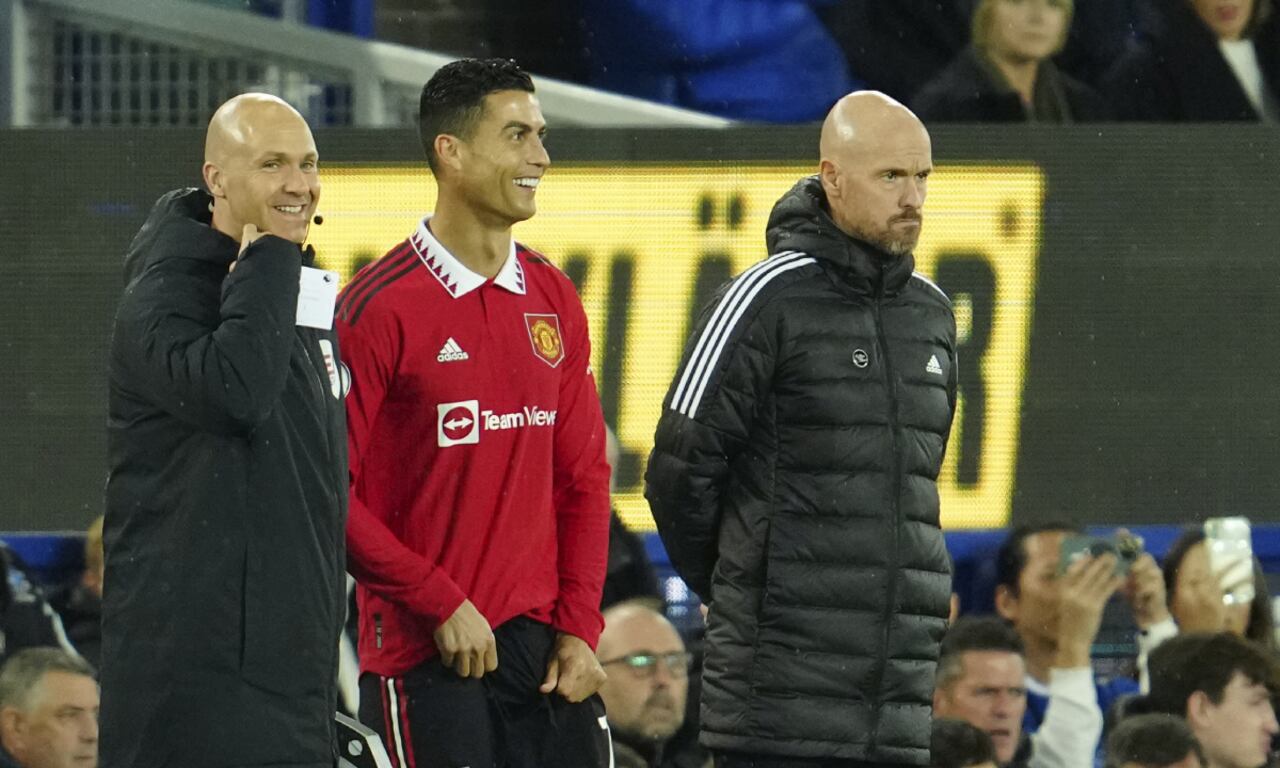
{"points": [[658, 721], [899, 247], [885, 241]]}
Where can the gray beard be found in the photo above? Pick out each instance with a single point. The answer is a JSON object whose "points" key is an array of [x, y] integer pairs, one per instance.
{"points": [[897, 247], [882, 241], [891, 247]]}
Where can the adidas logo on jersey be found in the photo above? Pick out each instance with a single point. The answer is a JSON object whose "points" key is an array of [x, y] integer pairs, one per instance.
{"points": [[451, 353], [933, 366]]}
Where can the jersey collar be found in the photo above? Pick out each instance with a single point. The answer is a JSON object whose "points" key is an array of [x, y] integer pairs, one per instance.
{"points": [[456, 278]]}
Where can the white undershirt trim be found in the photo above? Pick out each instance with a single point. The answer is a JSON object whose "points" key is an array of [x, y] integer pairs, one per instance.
{"points": [[453, 274]]}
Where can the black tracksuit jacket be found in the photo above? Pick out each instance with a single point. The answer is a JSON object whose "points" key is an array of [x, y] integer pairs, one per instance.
{"points": [[793, 481], [226, 506]]}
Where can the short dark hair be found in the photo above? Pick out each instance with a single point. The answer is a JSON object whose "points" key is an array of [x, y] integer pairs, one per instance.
{"points": [[957, 744], [453, 99], [1012, 557], [1205, 662], [974, 633], [1152, 741], [1174, 557]]}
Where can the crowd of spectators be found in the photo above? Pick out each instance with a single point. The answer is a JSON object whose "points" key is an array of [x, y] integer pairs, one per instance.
{"points": [[1020, 688], [1049, 61], [1017, 688], [787, 61], [49, 652], [1206, 678]]}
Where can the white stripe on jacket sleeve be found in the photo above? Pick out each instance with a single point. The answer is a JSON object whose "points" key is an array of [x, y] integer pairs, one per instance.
{"points": [[693, 381]]}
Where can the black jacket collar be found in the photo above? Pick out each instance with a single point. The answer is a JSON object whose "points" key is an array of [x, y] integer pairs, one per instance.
{"points": [[181, 226], [801, 221]]}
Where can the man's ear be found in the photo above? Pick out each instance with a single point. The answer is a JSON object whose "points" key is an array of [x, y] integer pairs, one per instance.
{"points": [[832, 182], [12, 737], [1199, 709], [939, 700], [213, 180], [448, 151], [1006, 603]]}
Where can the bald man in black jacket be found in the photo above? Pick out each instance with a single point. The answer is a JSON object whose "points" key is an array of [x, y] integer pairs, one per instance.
{"points": [[226, 499]]}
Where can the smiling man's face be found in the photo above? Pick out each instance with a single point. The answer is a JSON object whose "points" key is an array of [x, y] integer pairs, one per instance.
{"points": [[262, 168], [503, 158]]}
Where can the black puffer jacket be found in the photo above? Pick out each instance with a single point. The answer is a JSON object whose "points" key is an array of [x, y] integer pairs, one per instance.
{"points": [[226, 507], [793, 483]]}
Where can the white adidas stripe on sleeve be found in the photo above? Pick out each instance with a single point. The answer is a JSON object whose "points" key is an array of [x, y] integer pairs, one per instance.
{"points": [[702, 363], [709, 331], [931, 284]]}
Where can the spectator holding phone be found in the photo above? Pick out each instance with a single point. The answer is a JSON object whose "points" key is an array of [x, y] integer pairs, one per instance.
{"points": [[1198, 594], [1057, 611], [1194, 596]]}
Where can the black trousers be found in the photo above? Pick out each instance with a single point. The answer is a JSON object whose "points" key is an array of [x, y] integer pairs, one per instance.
{"points": [[432, 718]]}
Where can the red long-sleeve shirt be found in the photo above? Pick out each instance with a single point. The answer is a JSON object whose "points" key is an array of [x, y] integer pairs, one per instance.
{"points": [[476, 448]]}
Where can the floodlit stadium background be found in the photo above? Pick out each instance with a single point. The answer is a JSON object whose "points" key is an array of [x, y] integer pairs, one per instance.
{"points": [[636, 239]]}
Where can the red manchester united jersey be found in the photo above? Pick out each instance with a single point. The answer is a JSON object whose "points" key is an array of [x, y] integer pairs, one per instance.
{"points": [[476, 449]]}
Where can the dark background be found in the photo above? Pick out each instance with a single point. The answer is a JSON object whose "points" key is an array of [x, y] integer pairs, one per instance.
{"points": [[1154, 365]]}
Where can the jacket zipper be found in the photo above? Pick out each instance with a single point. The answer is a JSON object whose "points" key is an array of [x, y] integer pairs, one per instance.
{"points": [[891, 588]]}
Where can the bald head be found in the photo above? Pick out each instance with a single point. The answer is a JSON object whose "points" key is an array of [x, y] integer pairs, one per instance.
{"points": [[626, 623], [875, 158], [645, 693], [260, 165], [233, 127], [863, 121]]}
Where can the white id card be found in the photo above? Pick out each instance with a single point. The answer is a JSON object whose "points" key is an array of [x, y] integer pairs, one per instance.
{"points": [[317, 294]]}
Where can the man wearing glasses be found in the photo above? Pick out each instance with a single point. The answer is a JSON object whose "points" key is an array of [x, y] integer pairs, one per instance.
{"points": [[647, 688]]}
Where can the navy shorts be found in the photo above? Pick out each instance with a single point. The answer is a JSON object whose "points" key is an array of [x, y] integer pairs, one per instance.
{"points": [[432, 718]]}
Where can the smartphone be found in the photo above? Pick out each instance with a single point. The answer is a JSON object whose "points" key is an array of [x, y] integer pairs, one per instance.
{"points": [[1230, 545], [1127, 548]]}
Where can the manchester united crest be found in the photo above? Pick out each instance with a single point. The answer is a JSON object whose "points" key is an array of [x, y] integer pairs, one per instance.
{"points": [[544, 334]]}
